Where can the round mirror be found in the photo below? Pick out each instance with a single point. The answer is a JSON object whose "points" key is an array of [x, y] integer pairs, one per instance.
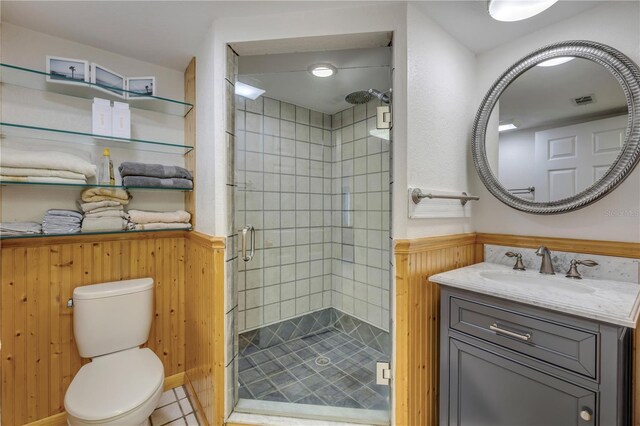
{"points": [[560, 128]]}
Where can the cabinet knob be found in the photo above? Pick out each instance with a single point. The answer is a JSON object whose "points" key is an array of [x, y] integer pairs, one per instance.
{"points": [[586, 415]]}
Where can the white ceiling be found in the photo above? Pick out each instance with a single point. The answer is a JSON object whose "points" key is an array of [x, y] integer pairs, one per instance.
{"points": [[285, 76], [471, 25], [168, 33], [165, 33], [542, 95]]}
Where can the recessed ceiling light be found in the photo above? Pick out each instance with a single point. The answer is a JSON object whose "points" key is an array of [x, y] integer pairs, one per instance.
{"points": [[322, 70], [556, 61], [506, 126], [248, 91], [517, 10]]}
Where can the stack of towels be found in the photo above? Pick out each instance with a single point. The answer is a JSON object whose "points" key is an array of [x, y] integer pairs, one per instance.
{"points": [[59, 221], [155, 176], [104, 209], [146, 220], [16, 229], [44, 167]]}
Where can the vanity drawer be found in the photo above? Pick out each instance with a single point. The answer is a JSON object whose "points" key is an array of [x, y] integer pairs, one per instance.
{"points": [[556, 343]]}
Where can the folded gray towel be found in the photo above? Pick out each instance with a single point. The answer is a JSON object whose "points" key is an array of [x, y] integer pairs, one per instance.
{"points": [[153, 182], [130, 168]]}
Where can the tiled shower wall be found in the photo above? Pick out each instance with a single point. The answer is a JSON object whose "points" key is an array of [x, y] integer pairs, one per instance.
{"points": [[283, 175], [317, 188], [360, 217]]}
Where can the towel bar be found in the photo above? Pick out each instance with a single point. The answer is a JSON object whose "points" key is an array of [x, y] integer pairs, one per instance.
{"points": [[417, 195]]}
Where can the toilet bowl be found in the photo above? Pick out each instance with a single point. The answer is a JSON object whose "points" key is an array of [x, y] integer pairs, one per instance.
{"points": [[123, 383]]}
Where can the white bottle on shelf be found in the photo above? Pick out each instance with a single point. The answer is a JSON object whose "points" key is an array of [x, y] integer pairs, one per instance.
{"points": [[105, 174], [101, 114], [121, 122]]}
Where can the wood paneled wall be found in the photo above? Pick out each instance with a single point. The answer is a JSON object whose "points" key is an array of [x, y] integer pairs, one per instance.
{"points": [[190, 136], [39, 354], [417, 322], [205, 326], [417, 311]]}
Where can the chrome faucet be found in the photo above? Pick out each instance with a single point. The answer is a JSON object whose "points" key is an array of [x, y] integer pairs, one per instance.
{"points": [[546, 267]]}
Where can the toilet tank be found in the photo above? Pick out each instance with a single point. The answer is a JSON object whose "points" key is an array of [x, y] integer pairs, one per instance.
{"points": [[113, 316]]}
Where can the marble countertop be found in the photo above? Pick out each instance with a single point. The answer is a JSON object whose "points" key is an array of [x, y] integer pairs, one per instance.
{"points": [[613, 302]]}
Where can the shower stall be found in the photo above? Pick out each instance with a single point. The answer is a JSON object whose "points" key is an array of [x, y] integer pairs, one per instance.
{"points": [[311, 173]]}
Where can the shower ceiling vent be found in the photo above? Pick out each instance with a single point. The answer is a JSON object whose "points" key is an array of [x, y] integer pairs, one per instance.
{"points": [[583, 100]]}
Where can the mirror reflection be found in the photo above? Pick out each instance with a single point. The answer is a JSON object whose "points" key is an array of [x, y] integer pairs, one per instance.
{"points": [[557, 129]]}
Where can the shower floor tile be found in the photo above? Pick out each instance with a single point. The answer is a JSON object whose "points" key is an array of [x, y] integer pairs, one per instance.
{"points": [[304, 375]]}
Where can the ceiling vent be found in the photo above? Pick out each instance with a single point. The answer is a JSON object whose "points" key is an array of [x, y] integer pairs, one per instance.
{"points": [[583, 100]]}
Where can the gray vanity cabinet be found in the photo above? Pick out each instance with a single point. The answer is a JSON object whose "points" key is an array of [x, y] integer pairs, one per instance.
{"points": [[504, 363]]}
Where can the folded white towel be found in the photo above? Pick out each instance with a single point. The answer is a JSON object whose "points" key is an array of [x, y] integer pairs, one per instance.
{"points": [[107, 212], [157, 226], [42, 179], [91, 195], [51, 160], [140, 216], [20, 228], [103, 224], [22, 171], [87, 207]]}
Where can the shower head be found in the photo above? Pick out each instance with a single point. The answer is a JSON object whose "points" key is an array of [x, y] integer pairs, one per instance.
{"points": [[360, 97], [378, 94], [365, 96]]}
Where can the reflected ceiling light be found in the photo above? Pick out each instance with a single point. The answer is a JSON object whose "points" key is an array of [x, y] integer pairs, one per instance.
{"points": [[517, 10], [322, 70], [248, 91], [380, 133], [506, 126], [556, 61]]}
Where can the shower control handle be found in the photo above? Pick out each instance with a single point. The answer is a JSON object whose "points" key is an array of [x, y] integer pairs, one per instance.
{"points": [[248, 229]]}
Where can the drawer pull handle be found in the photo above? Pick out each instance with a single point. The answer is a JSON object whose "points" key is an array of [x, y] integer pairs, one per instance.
{"points": [[525, 337]]}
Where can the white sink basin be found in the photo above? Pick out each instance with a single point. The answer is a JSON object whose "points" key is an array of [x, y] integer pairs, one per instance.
{"points": [[549, 281]]}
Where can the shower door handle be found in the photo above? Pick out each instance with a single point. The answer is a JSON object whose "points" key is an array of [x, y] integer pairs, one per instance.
{"points": [[248, 229]]}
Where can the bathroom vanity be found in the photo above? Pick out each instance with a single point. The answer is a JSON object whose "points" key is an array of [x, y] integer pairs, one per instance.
{"points": [[520, 348]]}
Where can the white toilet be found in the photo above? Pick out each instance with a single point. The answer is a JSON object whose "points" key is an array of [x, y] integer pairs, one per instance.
{"points": [[123, 383]]}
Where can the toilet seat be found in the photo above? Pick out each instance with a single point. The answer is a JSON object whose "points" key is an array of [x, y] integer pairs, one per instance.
{"points": [[113, 386]]}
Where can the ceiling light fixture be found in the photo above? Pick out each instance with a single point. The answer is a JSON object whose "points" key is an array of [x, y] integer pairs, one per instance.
{"points": [[506, 126], [556, 61], [517, 10], [248, 91], [322, 70]]}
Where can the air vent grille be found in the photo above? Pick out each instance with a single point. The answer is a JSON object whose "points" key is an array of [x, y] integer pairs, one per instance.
{"points": [[583, 100]]}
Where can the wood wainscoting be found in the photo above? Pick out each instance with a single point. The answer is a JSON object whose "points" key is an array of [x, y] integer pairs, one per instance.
{"points": [[39, 354], [205, 326], [417, 322], [417, 311]]}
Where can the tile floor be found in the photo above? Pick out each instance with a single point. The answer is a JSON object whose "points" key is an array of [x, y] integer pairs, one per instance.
{"points": [[174, 409], [297, 371]]}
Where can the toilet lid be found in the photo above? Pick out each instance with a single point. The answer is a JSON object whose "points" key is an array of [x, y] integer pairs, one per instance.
{"points": [[112, 385]]}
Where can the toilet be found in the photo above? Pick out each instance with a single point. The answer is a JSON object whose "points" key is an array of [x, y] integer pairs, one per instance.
{"points": [[123, 382]]}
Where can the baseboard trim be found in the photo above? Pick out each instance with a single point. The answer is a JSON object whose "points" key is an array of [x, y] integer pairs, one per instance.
{"points": [[60, 419]]}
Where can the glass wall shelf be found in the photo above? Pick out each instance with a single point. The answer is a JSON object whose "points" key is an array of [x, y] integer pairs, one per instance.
{"points": [[11, 237], [91, 185], [68, 136], [37, 80]]}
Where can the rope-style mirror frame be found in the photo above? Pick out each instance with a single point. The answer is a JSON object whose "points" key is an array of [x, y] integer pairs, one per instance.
{"points": [[626, 72]]}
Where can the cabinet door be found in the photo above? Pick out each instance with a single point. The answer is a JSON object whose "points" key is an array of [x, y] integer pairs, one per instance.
{"points": [[488, 389]]}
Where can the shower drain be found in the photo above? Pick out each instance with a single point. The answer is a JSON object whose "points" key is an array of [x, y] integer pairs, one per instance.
{"points": [[322, 361]]}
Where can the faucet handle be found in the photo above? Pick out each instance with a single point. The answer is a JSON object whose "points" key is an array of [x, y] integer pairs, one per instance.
{"points": [[573, 268], [519, 266]]}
